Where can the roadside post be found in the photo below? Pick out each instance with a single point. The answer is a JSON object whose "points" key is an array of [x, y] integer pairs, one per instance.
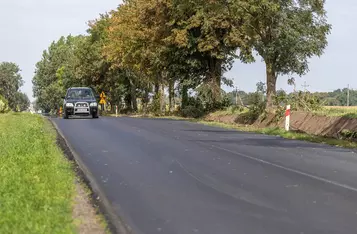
{"points": [[60, 111], [287, 118], [116, 110]]}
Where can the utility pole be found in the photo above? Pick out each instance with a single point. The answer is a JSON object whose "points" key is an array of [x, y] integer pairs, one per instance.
{"points": [[236, 96], [305, 86], [348, 95]]}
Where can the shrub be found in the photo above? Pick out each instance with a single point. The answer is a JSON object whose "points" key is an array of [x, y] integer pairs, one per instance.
{"points": [[192, 112], [4, 105], [235, 109], [256, 109], [194, 109]]}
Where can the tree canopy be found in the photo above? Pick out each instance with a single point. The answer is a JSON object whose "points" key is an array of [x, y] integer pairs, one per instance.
{"points": [[10, 84], [147, 48], [286, 33]]}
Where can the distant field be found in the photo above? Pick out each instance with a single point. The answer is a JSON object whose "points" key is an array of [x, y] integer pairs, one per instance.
{"points": [[347, 111], [341, 107]]}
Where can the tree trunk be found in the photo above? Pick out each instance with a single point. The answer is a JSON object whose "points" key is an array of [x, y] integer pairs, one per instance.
{"points": [[156, 88], [162, 99], [127, 100], [271, 86], [171, 96], [134, 103], [184, 96], [214, 78], [145, 101]]}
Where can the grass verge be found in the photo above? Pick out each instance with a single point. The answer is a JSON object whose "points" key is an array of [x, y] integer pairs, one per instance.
{"points": [[36, 188], [285, 134]]}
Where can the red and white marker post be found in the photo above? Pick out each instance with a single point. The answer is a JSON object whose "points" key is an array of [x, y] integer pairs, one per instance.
{"points": [[287, 118], [116, 110]]}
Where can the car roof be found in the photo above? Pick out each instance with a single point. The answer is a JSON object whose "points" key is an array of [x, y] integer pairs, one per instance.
{"points": [[79, 88]]}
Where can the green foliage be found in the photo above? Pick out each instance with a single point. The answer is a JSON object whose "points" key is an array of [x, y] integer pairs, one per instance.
{"points": [[187, 45], [4, 105], [10, 83], [37, 183], [348, 134], [155, 105], [192, 112], [235, 109], [285, 34], [22, 102], [56, 72]]}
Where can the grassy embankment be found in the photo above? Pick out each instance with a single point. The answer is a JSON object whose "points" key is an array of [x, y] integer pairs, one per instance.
{"points": [[336, 111], [37, 182]]}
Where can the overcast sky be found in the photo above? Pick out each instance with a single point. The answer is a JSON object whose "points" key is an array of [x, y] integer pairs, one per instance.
{"points": [[27, 27]]}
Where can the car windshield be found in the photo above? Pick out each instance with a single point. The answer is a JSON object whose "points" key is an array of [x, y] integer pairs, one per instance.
{"points": [[79, 94]]}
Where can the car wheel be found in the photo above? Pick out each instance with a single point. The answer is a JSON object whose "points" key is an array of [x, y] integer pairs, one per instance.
{"points": [[65, 115], [95, 116]]}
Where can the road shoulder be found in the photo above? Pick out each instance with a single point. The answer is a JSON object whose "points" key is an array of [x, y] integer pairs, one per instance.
{"points": [[94, 197]]}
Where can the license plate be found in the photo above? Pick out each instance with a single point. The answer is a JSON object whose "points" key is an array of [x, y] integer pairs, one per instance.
{"points": [[82, 110]]}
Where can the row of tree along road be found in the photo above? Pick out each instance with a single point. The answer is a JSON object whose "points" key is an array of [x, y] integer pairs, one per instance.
{"points": [[149, 48]]}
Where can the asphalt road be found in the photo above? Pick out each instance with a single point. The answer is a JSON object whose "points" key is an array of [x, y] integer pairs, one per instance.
{"points": [[177, 177]]}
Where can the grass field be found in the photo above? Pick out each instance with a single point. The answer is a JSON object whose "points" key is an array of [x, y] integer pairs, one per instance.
{"points": [[346, 111], [36, 186]]}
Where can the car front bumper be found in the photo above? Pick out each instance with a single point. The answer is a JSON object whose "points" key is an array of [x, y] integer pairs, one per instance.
{"points": [[82, 110]]}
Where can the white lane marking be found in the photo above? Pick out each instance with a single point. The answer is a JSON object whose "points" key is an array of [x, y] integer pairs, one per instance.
{"points": [[345, 186]]}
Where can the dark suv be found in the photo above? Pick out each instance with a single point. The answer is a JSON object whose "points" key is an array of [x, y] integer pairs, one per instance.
{"points": [[80, 101]]}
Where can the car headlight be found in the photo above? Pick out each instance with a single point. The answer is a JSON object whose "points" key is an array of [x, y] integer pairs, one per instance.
{"points": [[69, 104], [93, 104]]}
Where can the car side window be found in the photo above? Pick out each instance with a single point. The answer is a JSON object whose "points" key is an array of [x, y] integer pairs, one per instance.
{"points": [[67, 94]]}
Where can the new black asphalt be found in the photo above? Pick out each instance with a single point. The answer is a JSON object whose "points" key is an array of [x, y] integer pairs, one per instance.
{"points": [[177, 177]]}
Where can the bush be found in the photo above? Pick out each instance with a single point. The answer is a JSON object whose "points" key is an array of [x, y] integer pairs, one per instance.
{"points": [[235, 109], [154, 107], [4, 105], [348, 134], [256, 109], [194, 109], [192, 112], [298, 101]]}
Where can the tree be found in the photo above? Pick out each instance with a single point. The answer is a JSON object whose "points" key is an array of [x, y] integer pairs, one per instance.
{"points": [[10, 82], [285, 33], [136, 33], [211, 33], [56, 72], [22, 102]]}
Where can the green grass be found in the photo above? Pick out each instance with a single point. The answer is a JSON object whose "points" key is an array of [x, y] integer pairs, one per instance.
{"points": [[230, 111], [338, 111], [37, 182]]}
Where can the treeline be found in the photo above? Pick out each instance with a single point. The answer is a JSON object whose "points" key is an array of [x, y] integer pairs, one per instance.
{"points": [[148, 49], [338, 97], [10, 83]]}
